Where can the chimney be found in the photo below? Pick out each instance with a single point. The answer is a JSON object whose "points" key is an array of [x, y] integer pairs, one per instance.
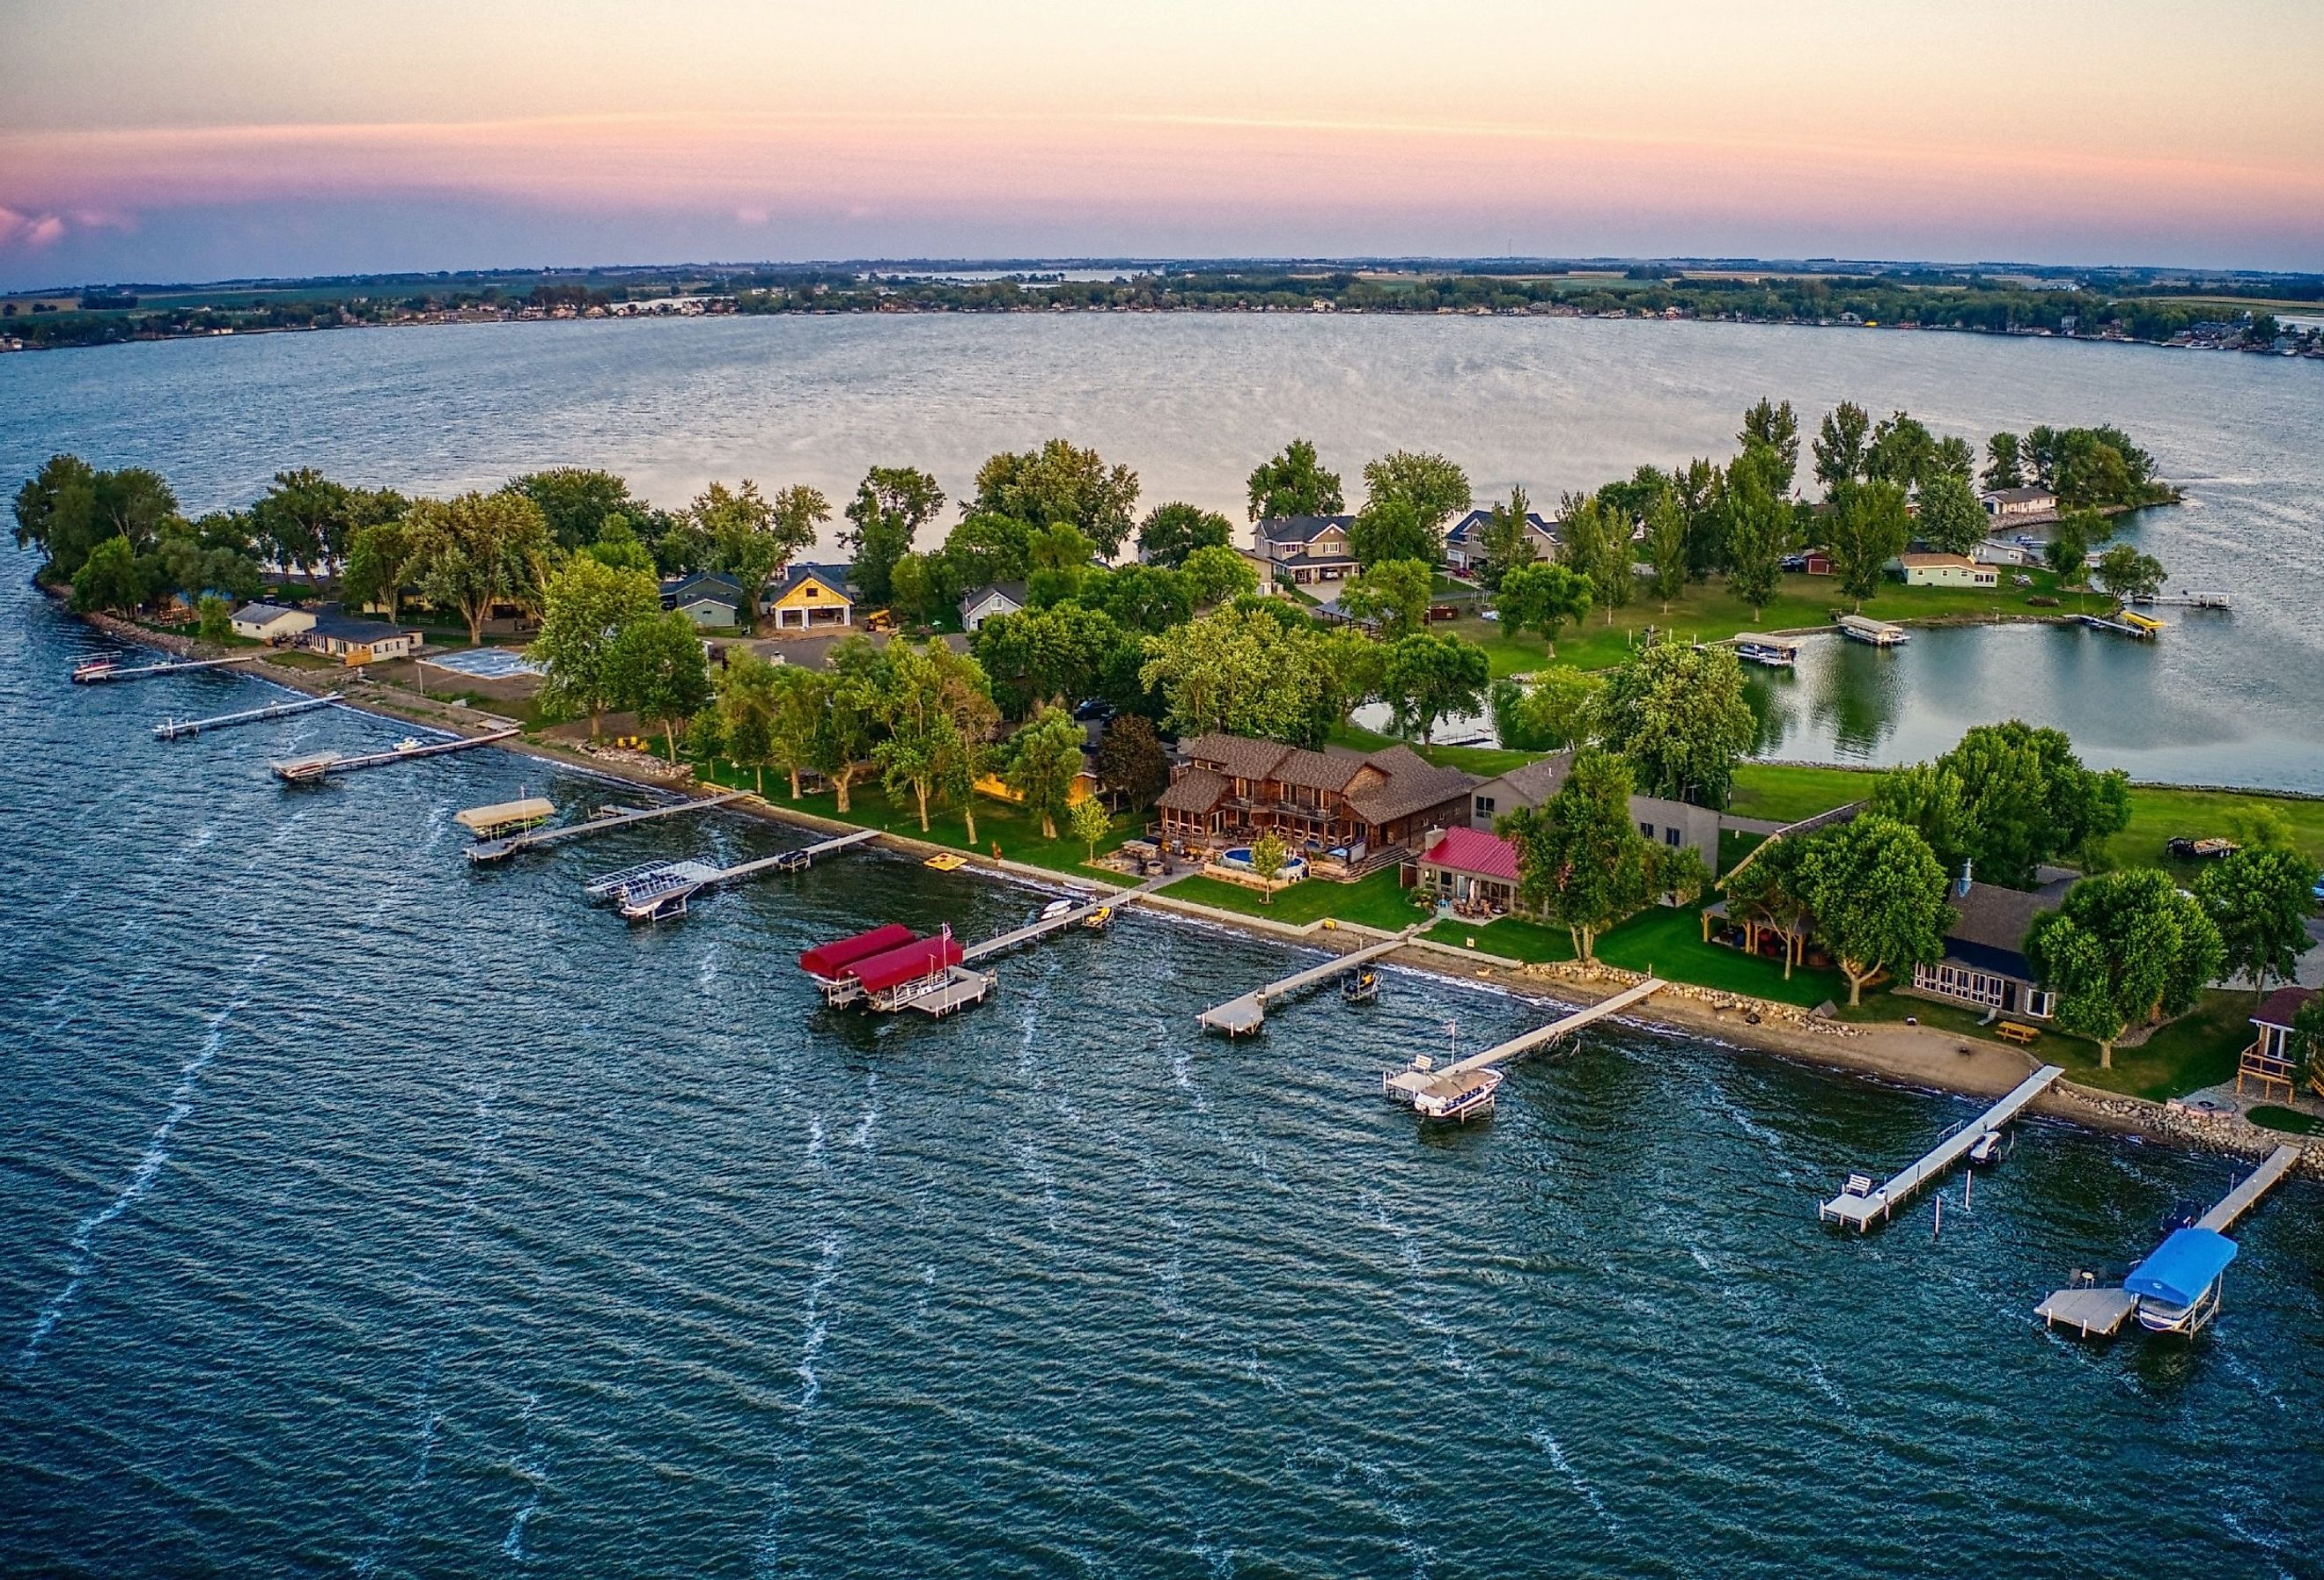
{"points": [[1960, 890]]}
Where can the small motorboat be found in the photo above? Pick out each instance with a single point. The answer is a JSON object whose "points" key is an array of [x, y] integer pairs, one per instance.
{"points": [[1098, 921], [1055, 908], [89, 669], [1358, 984], [1987, 1149], [410, 744]]}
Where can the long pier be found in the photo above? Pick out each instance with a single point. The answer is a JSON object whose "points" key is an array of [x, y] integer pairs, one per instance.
{"points": [[92, 675], [655, 890], [2092, 1309], [1857, 1209], [1247, 1013], [493, 850], [323, 764], [1525, 1042], [1057, 923], [170, 729]]}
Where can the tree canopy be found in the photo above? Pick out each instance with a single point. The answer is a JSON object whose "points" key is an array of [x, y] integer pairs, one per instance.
{"points": [[655, 668], [884, 519], [1428, 678], [1865, 529], [1060, 482], [1542, 597], [1581, 862], [2006, 798], [585, 608], [2260, 899], [1172, 532], [576, 502], [2124, 947], [477, 551], [1392, 593], [1678, 714], [1878, 896], [1294, 483], [1242, 672]]}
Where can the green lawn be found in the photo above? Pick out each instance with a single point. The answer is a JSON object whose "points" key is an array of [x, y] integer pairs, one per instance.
{"points": [[1707, 611], [2198, 1049], [1787, 795], [997, 821], [1666, 940], [2290, 1121], [1375, 901], [1485, 761]]}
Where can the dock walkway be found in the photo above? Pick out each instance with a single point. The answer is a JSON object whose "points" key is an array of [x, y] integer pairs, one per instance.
{"points": [[170, 729], [2091, 1308], [311, 770], [1858, 1211], [92, 677], [1525, 1042], [495, 850], [1078, 914], [1249, 1012], [658, 889]]}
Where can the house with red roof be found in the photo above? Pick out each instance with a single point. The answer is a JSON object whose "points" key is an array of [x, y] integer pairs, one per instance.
{"points": [[1475, 870]]}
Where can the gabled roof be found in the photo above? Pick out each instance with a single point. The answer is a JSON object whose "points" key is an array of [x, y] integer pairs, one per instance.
{"points": [[1472, 850], [1323, 771], [833, 577], [2020, 495], [1538, 781], [1929, 561], [1474, 521], [1198, 789], [1013, 591], [330, 622], [1990, 924], [2278, 1008], [1299, 529], [1409, 789], [701, 581], [263, 614], [1238, 755]]}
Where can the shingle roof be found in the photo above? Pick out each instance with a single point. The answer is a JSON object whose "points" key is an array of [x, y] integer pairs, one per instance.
{"points": [[330, 622], [1014, 591], [1326, 771], [1299, 529], [833, 577], [1198, 789], [1238, 755], [1537, 782], [1990, 924], [2020, 495], [262, 613], [1472, 850], [1410, 790], [1474, 521], [2278, 1008]]}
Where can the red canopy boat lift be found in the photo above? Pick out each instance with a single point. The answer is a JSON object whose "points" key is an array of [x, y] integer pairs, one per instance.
{"points": [[892, 968]]}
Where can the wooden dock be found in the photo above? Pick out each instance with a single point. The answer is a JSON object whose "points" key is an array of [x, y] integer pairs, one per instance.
{"points": [[657, 890], [170, 729], [2098, 1310], [1248, 1013], [486, 851], [93, 675], [1858, 1209], [1019, 936], [1429, 1087], [323, 764]]}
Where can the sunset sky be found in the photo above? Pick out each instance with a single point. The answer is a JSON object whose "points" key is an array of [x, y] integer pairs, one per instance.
{"points": [[150, 139]]}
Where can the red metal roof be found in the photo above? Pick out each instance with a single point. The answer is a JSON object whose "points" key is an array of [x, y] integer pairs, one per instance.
{"points": [[1472, 850], [920, 957], [833, 958]]}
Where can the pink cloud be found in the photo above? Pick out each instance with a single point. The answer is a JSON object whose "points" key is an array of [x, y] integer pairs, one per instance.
{"points": [[28, 231]]}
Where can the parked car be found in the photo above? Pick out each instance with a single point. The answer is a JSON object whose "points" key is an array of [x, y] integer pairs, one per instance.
{"points": [[1095, 708]]}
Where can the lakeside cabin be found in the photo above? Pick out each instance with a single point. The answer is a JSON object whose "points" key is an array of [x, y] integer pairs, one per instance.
{"points": [[1349, 812], [810, 597], [1984, 965], [1476, 871], [2268, 1064], [277, 623], [993, 598], [712, 599], [2020, 506], [1668, 823], [358, 641], [1946, 570]]}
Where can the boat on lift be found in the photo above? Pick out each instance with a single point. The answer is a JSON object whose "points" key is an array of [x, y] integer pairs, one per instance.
{"points": [[1358, 984]]}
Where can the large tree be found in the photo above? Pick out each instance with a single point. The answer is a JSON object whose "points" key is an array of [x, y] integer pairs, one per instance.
{"points": [[1755, 528], [2127, 574], [1878, 896], [2007, 798], [1435, 487], [1776, 429], [1581, 862], [1666, 546], [68, 507], [1060, 482], [1506, 539], [1393, 528], [1950, 518], [1428, 678], [1542, 597], [1549, 711], [750, 535], [1294, 483], [936, 709], [1597, 547], [1901, 452], [1172, 532], [2260, 901], [748, 703], [2125, 947], [1241, 671], [1130, 760], [1141, 599], [1036, 657], [585, 608], [111, 580], [381, 559], [477, 551], [1677, 712], [2004, 466], [884, 519], [1866, 528], [1840, 445], [655, 668], [576, 502], [1040, 763], [1217, 575], [1392, 593], [1767, 888], [859, 674], [303, 519]]}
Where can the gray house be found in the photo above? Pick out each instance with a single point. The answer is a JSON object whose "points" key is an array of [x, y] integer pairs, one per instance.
{"points": [[1668, 823]]}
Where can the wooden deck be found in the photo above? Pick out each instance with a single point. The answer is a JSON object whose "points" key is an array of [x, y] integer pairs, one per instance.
{"points": [[493, 850], [2246, 1195], [1857, 1212], [1247, 1013]]}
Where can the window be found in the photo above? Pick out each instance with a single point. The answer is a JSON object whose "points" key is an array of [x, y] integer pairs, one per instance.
{"points": [[1647, 829], [1484, 806], [1670, 837]]}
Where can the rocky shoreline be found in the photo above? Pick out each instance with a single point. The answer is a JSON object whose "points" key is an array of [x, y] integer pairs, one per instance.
{"points": [[1919, 1057]]}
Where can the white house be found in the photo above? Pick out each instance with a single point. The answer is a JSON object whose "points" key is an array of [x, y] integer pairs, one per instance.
{"points": [[2009, 506], [359, 642], [1946, 570], [271, 623], [1002, 598], [1464, 547]]}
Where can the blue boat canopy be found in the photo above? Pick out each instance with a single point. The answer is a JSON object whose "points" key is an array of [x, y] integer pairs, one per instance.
{"points": [[2182, 1267]]}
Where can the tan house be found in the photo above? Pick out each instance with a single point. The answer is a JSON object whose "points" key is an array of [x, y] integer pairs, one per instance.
{"points": [[1305, 549], [2020, 506], [273, 622], [1348, 812], [809, 597], [1946, 570], [359, 642], [1668, 823]]}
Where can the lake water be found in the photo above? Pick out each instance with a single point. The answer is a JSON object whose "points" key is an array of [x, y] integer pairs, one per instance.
{"points": [[366, 1214], [1193, 401]]}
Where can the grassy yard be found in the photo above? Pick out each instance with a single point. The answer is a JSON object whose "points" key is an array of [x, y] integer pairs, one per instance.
{"points": [[1666, 940], [999, 822], [1785, 795], [1375, 901], [2198, 1049], [1707, 611], [1485, 761], [2290, 1121]]}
